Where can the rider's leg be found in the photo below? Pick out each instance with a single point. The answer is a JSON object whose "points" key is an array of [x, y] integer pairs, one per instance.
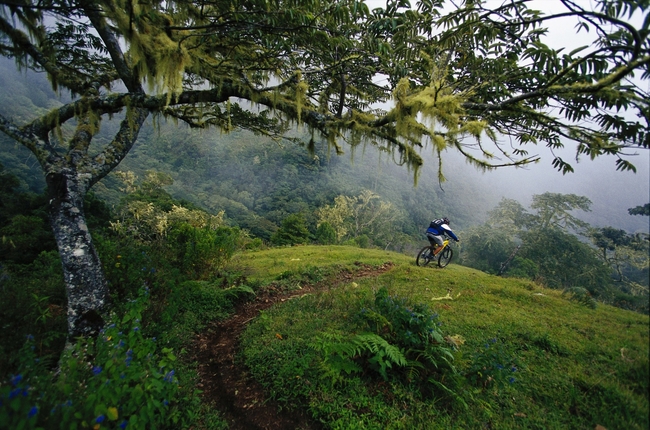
{"points": [[438, 243]]}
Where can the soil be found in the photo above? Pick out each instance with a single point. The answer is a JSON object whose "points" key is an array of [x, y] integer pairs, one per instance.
{"points": [[226, 384]]}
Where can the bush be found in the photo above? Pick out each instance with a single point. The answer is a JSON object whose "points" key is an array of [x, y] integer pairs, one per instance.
{"points": [[119, 379]]}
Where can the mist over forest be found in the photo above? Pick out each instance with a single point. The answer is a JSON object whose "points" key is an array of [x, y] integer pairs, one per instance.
{"points": [[467, 195]]}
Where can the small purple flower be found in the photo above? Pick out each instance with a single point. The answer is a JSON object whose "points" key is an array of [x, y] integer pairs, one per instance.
{"points": [[97, 370], [30, 337], [100, 419], [514, 369], [14, 393], [165, 403], [32, 412], [123, 424], [511, 380], [136, 328]]}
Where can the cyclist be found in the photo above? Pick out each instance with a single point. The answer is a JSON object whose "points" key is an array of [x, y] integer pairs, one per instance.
{"points": [[437, 229]]}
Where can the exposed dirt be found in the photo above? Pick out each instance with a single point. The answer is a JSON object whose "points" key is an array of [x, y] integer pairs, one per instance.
{"points": [[226, 384]]}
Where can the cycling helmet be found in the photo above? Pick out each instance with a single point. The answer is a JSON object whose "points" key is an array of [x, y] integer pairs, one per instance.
{"points": [[446, 220]]}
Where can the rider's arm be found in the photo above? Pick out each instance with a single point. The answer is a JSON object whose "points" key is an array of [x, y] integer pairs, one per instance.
{"points": [[450, 233]]}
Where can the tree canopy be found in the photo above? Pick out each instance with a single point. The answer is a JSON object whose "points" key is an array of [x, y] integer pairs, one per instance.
{"points": [[458, 78]]}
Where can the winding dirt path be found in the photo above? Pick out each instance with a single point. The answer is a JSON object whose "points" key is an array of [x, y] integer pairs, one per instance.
{"points": [[226, 384]]}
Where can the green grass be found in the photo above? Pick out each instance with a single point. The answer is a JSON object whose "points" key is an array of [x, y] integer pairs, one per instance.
{"points": [[577, 367]]}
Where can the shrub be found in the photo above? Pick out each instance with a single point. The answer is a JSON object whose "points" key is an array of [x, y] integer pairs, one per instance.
{"points": [[119, 379]]}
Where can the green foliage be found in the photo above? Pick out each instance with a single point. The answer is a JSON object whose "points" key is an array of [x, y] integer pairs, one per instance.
{"points": [[33, 303], [293, 231], [119, 379], [193, 304], [492, 366], [325, 234], [582, 296], [342, 355], [565, 262], [200, 252], [640, 210]]}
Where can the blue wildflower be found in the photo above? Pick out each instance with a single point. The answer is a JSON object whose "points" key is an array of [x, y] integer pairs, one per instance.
{"points": [[30, 337], [514, 369], [14, 393], [511, 379], [123, 424], [97, 370], [165, 403], [136, 328], [499, 366], [169, 377], [16, 379], [100, 419], [32, 412]]}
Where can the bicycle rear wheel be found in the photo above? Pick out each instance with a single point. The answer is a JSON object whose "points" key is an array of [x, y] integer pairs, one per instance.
{"points": [[445, 256], [425, 256]]}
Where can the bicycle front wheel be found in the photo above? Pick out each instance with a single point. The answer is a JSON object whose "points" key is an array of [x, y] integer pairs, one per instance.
{"points": [[424, 256], [445, 257]]}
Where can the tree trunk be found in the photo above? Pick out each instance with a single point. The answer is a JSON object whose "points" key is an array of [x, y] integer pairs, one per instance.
{"points": [[85, 283]]}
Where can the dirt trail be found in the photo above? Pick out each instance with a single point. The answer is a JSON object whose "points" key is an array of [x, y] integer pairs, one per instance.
{"points": [[227, 386]]}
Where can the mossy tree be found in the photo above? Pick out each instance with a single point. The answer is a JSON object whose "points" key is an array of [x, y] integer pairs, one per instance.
{"points": [[473, 73]]}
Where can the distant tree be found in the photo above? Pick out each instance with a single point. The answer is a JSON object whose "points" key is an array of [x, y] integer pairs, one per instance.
{"points": [[628, 255], [293, 231], [325, 234], [363, 215], [554, 210], [474, 73], [563, 261], [640, 210]]}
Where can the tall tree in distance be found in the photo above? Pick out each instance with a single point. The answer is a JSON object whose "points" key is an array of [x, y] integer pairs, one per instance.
{"points": [[266, 65]]}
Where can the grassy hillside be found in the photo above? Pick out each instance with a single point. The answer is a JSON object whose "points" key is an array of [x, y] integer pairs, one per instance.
{"points": [[526, 357]]}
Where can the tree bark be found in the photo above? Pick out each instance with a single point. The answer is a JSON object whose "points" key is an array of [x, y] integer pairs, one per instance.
{"points": [[86, 286]]}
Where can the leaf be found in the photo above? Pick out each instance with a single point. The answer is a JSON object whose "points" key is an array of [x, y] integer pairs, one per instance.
{"points": [[575, 51], [112, 413]]}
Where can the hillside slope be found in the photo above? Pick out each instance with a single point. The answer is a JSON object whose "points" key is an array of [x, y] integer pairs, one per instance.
{"points": [[566, 365]]}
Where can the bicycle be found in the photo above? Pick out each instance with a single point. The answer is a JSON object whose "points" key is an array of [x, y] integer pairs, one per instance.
{"points": [[426, 255]]}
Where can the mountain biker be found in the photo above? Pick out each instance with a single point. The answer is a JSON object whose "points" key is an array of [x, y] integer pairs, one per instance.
{"points": [[437, 229]]}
